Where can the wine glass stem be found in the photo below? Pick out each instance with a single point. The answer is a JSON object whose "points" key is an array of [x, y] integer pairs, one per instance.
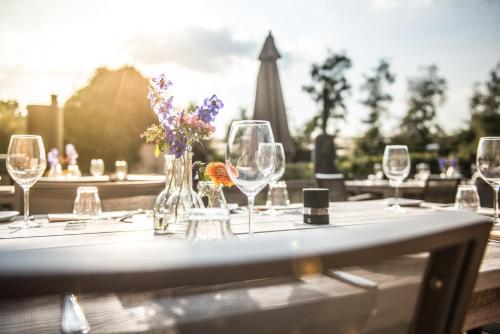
{"points": [[396, 196], [251, 200], [495, 204], [26, 205]]}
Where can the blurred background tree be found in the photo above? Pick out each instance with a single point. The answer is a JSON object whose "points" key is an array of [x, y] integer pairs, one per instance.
{"points": [[105, 118], [11, 122], [485, 116], [427, 93], [376, 99], [330, 88]]}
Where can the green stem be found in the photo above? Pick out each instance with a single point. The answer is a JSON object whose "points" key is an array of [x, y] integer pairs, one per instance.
{"points": [[180, 189]]}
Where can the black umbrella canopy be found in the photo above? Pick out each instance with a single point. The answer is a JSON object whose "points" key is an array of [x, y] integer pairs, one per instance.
{"points": [[269, 103]]}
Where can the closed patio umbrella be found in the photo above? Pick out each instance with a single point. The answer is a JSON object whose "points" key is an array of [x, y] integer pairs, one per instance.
{"points": [[269, 104]]}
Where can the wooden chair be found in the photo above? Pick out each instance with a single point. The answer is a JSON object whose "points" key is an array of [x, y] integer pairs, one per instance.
{"points": [[438, 190], [58, 197], [407, 276], [485, 191]]}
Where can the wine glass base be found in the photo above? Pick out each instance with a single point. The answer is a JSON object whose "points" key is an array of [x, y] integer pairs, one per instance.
{"points": [[395, 208], [271, 212], [23, 225]]}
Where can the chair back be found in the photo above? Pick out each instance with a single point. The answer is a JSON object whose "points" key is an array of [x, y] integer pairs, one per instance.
{"points": [[485, 191], [439, 190], [59, 196], [411, 275], [335, 183]]}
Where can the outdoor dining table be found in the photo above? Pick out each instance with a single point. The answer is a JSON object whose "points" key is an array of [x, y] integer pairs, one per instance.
{"points": [[484, 307], [408, 189]]}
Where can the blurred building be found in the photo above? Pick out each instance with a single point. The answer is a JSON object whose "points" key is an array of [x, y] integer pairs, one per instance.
{"points": [[48, 122]]}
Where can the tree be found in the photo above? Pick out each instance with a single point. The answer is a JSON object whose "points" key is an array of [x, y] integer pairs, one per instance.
{"points": [[427, 93], [485, 105], [11, 122], [372, 142], [105, 118], [485, 115], [330, 87]]}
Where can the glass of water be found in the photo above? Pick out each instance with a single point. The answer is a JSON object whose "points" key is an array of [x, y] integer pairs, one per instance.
{"points": [[96, 167], [26, 162], [209, 224], [467, 198], [121, 169], [277, 190], [87, 202]]}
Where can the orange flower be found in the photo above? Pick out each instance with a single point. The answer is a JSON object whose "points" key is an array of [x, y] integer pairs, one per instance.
{"points": [[216, 171]]}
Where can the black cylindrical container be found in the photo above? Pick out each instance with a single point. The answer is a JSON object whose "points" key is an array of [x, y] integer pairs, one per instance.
{"points": [[316, 203]]}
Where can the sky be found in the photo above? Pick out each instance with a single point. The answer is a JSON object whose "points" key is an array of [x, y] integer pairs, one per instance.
{"points": [[206, 47]]}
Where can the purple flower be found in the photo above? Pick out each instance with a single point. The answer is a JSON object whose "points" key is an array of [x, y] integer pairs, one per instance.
{"points": [[163, 108], [209, 109], [53, 157], [178, 147], [161, 83], [71, 153]]}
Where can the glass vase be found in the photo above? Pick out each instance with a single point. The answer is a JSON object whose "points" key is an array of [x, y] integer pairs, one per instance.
{"points": [[173, 204], [213, 193]]}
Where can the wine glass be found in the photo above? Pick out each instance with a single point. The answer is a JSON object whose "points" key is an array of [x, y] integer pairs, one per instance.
{"points": [[396, 165], [250, 159], [279, 170], [488, 165], [26, 163]]}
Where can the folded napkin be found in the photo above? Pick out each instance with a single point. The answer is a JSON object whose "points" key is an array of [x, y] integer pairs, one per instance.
{"points": [[62, 217]]}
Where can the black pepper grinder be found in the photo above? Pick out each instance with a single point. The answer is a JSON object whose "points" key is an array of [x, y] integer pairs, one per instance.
{"points": [[316, 203]]}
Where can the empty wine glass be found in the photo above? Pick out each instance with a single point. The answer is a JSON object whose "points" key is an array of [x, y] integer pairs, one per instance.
{"points": [[26, 163], [488, 165], [250, 159], [396, 165], [279, 170]]}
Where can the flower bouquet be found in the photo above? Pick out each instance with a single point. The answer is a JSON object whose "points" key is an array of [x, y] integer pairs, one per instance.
{"points": [[175, 134]]}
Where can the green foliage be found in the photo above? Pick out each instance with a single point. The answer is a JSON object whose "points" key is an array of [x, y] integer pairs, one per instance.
{"points": [[10, 122], [487, 101], [105, 118], [484, 121], [360, 165], [298, 171], [330, 88], [427, 92], [376, 98]]}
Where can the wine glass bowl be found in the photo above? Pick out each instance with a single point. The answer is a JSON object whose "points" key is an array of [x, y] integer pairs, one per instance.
{"points": [[277, 190], [26, 163], [396, 166], [250, 158], [488, 166]]}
